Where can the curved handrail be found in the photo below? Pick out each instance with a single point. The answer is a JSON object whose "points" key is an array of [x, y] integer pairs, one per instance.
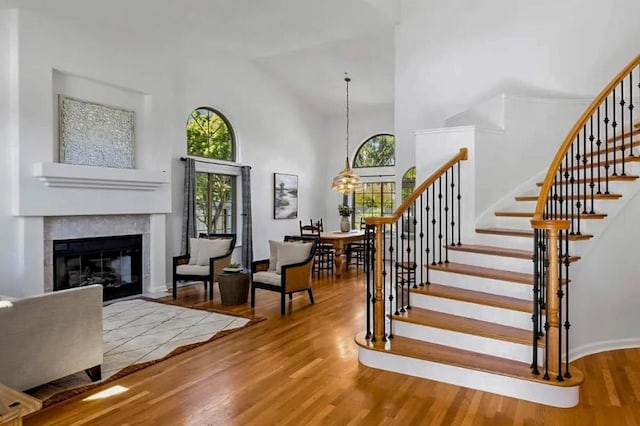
{"points": [[575, 130], [460, 156]]}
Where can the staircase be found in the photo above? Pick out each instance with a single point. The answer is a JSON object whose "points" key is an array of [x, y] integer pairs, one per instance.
{"points": [[466, 319]]}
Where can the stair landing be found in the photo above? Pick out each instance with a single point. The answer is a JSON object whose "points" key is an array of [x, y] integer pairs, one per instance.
{"points": [[468, 369]]}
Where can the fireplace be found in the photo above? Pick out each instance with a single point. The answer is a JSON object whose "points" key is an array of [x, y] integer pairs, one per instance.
{"points": [[114, 262]]}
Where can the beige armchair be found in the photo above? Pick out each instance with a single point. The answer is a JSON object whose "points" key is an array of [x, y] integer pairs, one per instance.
{"points": [[204, 260], [287, 271]]}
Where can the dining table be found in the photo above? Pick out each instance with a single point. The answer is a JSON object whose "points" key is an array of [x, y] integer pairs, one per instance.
{"points": [[340, 240]]}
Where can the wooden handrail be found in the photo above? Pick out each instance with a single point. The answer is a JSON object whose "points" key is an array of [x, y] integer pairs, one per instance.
{"points": [[571, 136], [460, 156]]}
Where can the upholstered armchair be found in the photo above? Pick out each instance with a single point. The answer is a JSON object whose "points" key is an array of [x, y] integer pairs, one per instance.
{"points": [[287, 271], [206, 258]]}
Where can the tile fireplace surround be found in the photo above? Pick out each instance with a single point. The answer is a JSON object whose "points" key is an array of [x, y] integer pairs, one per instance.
{"points": [[68, 227]]}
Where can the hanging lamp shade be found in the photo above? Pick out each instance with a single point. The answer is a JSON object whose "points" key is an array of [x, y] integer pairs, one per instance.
{"points": [[346, 181]]}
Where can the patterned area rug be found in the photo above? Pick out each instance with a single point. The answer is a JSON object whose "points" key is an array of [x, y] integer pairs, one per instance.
{"points": [[138, 333]]}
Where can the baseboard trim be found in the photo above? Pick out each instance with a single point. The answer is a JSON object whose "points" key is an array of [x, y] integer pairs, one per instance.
{"points": [[605, 346]]}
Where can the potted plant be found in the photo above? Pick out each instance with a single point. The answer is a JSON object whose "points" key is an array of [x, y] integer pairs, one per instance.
{"points": [[345, 222]]}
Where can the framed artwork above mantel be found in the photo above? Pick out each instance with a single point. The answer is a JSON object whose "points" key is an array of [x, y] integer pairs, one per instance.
{"points": [[285, 196], [93, 134]]}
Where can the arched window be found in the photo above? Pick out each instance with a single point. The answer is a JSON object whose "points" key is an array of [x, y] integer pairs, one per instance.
{"points": [[210, 136], [377, 151], [376, 196], [408, 182]]}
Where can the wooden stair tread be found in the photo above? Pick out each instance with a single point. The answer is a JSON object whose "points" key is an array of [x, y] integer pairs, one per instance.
{"points": [[493, 250], [499, 251], [531, 214], [627, 159], [513, 232], [426, 351], [618, 178], [481, 271], [465, 325], [506, 231], [477, 297], [595, 197]]}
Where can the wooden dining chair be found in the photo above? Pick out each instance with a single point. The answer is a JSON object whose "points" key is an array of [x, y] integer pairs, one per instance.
{"points": [[325, 253]]}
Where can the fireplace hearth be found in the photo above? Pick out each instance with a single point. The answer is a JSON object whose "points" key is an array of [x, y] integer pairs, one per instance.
{"points": [[114, 262]]}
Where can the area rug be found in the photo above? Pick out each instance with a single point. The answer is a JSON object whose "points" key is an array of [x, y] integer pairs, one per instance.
{"points": [[138, 333]]}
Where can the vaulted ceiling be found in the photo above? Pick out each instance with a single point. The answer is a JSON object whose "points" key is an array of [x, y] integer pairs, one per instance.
{"points": [[305, 44]]}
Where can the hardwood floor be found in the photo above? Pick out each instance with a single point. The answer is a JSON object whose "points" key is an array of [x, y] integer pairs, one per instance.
{"points": [[303, 369]]}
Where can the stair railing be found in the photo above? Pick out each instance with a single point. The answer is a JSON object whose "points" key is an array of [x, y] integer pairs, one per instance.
{"points": [[596, 151], [401, 248]]}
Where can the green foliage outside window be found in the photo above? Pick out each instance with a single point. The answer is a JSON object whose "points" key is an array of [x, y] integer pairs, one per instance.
{"points": [[209, 135], [374, 199], [408, 182], [377, 151]]}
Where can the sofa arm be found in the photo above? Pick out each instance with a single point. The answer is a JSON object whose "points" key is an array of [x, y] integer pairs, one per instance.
{"points": [[49, 336]]}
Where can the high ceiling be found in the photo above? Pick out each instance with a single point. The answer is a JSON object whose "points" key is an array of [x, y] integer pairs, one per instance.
{"points": [[305, 44]]}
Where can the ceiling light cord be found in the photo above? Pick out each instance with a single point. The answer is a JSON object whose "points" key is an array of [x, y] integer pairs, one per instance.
{"points": [[347, 79]]}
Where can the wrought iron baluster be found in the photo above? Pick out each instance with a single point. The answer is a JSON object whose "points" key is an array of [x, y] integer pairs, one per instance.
{"points": [[622, 104], [567, 324], [606, 141], [422, 262], [591, 182], [384, 274], [631, 106], [440, 220], [459, 197], [598, 143], [453, 209], [446, 217], [433, 225], [573, 204], [559, 294], [369, 265], [584, 169], [614, 124]]}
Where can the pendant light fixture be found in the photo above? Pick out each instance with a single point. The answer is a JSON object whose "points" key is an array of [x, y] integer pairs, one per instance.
{"points": [[346, 181]]}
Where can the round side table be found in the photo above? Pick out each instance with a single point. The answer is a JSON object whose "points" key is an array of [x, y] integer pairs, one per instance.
{"points": [[234, 287]]}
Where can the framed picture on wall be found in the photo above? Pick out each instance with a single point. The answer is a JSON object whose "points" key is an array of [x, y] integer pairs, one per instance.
{"points": [[285, 196]]}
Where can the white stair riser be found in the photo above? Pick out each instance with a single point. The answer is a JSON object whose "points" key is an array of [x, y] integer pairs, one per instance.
{"points": [[599, 206], [492, 261], [556, 396], [485, 285], [523, 243], [487, 313], [587, 226], [469, 342]]}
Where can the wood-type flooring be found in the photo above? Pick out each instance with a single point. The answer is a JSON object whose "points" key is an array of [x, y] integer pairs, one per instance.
{"points": [[303, 369]]}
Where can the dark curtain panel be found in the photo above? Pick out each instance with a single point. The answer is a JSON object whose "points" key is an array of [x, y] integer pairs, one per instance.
{"points": [[247, 233], [189, 207]]}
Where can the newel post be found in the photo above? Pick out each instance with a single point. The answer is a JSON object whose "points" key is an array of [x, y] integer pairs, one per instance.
{"points": [[553, 227], [378, 314]]}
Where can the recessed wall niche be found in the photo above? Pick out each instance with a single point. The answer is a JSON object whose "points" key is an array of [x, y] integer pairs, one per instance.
{"points": [[102, 97]]}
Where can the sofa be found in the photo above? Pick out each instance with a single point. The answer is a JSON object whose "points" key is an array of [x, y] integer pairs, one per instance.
{"points": [[50, 336]]}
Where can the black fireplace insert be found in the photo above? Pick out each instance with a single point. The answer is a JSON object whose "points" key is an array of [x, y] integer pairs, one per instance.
{"points": [[114, 262]]}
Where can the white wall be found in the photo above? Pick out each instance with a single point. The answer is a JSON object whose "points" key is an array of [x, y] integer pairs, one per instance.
{"points": [[9, 248], [604, 292], [274, 133], [450, 55], [167, 79]]}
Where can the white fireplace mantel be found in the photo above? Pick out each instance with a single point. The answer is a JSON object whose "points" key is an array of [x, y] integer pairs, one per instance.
{"points": [[63, 175]]}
